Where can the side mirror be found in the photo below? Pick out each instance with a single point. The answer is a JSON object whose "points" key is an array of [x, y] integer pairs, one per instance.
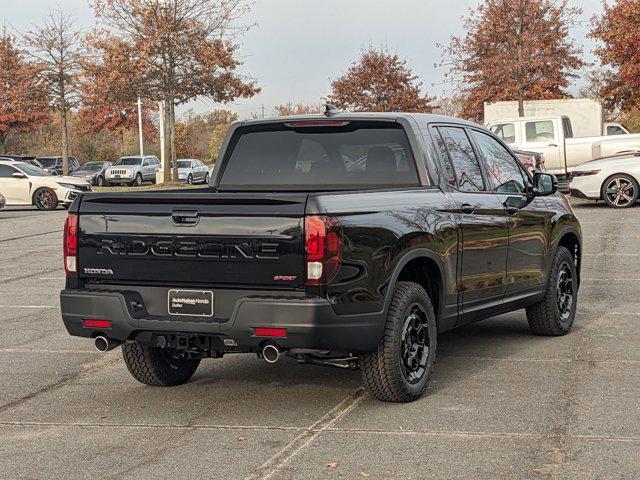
{"points": [[544, 184], [18, 175]]}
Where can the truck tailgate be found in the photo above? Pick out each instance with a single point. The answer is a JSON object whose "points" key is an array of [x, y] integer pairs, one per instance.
{"points": [[192, 237]]}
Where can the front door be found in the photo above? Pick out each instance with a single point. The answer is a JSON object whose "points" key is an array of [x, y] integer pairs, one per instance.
{"points": [[17, 191], [482, 227], [527, 217]]}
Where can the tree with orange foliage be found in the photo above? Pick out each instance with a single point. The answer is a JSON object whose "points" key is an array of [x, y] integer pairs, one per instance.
{"points": [[379, 82], [618, 33], [514, 50], [24, 104], [181, 50]]}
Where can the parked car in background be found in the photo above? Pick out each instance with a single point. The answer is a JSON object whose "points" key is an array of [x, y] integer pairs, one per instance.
{"points": [[192, 171], [22, 158], [25, 184], [553, 137], [614, 179], [532, 161], [92, 172], [53, 165], [2, 201], [132, 170]]}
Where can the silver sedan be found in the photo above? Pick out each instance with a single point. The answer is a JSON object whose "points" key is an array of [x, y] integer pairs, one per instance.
{"points": [[192, 171]]}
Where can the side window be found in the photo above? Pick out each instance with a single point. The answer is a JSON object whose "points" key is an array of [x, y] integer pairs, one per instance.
{"points": [[615, 130], [6, 171], [504, 172], [541, 131], [505, 132], [566, 126], [146, 162], [463, 158], [444, 155]]}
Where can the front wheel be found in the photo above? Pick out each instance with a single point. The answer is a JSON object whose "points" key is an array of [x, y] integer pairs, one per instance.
{"points": [[554, 315], [138, 181], [620, 191], [157, 367], [400, 369], [45, 199], [206, 178], [190, 179], [100, 181]]}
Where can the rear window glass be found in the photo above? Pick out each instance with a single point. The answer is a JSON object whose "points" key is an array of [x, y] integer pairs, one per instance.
{"points": [[352, 156]]}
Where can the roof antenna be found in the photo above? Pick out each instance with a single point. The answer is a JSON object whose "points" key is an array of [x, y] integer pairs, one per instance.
{"points": [[331, 110]]}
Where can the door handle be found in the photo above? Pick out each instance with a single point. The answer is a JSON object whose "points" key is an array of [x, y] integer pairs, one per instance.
{"points": [[552, 145], [466, 208], [185, 218]]}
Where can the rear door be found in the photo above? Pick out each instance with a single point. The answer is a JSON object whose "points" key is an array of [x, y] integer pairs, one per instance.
{"points": [[197, 238], [482, 225]]}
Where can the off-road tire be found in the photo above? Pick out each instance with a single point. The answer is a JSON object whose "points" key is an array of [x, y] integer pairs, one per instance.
{"points": [[153, 367], [381, 370], [544, 317]]}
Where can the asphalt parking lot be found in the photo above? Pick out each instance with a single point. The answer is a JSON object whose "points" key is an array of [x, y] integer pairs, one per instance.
{"points": [[502, 403]]}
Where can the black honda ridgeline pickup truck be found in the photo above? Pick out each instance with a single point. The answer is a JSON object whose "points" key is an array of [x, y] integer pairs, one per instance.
{"points": [[349, 240]]}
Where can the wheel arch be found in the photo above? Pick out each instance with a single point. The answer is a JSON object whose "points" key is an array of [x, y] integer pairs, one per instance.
{"points": [[571, 240], [424, 267]]}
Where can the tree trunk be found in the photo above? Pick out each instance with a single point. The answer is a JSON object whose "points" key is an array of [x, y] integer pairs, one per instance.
{"points": [[3, 140], [521, 106], [122, 142]]}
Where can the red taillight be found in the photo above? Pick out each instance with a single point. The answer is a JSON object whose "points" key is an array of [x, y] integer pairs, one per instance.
{"points": [[92, 323], [70, 244], [271, 332], [322, 247]]}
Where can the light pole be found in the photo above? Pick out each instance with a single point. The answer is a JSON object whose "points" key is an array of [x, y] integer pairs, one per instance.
{"points": [[140, 126]]}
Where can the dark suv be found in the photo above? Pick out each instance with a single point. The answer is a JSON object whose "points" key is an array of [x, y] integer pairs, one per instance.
{"points": [[348, 240]]}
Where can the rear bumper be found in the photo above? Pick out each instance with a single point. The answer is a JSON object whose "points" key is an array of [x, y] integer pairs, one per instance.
{"points": [[309, 322]]}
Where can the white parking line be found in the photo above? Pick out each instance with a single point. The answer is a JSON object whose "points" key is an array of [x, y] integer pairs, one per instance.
{"points": [[28, 306], [284, 456], [37, 350]]}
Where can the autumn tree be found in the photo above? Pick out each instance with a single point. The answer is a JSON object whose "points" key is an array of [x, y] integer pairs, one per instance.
{"points": [[514, 50], [379, 82], [110, 88], [183, 49], [618, 50], [23, 101], [289, 108], [55, 45]]}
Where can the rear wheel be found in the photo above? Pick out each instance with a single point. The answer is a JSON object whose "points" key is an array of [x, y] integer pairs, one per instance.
{"points": [[554, 315], [620, 191], [157, 367], [45, 199], [400, 369]]}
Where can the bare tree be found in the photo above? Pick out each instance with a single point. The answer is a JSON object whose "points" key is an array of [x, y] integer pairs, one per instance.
{"points": [[56, 46]]}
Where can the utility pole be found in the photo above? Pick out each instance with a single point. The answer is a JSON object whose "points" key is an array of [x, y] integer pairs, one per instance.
{"points": [[140, 126]]}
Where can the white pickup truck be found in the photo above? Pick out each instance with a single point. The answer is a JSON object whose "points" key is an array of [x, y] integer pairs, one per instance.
{"points": [[553, 137]]}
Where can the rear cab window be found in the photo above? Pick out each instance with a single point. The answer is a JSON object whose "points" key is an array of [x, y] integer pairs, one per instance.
{"points": [[306, 155]]}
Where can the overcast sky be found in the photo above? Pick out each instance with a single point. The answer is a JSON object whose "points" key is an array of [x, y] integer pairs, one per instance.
{"points": [[298, 46]]}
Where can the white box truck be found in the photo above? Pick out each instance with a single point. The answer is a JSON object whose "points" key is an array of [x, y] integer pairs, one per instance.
{"points": [[586, 114]]}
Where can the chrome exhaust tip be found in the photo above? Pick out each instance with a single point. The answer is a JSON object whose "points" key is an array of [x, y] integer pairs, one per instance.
{"points": [[271, 353], [104, 344]]}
